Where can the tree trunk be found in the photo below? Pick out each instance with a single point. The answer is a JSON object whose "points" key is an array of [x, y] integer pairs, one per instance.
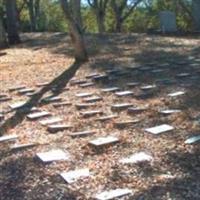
{"points": [[76, 34], [118, 27], [100, 21], [12, 24], [32, 15], [3, 41], [196, 13]]}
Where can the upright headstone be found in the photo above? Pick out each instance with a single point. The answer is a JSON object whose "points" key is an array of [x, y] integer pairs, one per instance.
{"points": [[167, 21]]}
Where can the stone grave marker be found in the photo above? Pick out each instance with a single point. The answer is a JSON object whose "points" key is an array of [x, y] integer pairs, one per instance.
{"points": [[192, 140], [22, 146], [169, 112], [133, 84], [160, 129], [137, 110], [7, 138], [82, 133], [92, 75], [42, 84], [58, 127], [148, 87], [175, 94], [38, 115], [125, 123], [53, 155], [135, 158], [84, 85], [6, 98], [92, 99], [52, 99], [113, 194], [16, 88], [73, 176], [77, 81], [85, 94], [84, 105], [101, 141], [91, 113], [101, 77], [17, 105], [50, 121], [26, 90], [124, 93], [60, 104], [183, 75], [121, 106], [110, 89], [106, 118]]}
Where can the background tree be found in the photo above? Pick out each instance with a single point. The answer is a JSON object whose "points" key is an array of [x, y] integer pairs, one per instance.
{"points": [[12, 23], [196, 13], [122, 9], [99, 8], [75, 29], [3, 40]]}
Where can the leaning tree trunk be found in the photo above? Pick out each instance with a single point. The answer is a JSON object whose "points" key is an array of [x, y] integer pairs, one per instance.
{"points": [[12, 25], [196, 13], [3, 41], [100, 21], [76, 33]]}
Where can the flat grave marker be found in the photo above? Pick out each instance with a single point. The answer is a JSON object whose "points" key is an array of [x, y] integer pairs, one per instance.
{"points": [[84, 105], [148, 87], [6, 98], [137, 110], [85, 94], [38, 115], [106, 118], [133, 84], [91, 113], [124, 123], [135, 158], [16, 88], [58, 127], [17, 105], [26, 90], [112, 194], [84, 85], [110, 89], [7, 138], [160, 129], [60, 104], [92, 99], [52, 99], [193, 140], [121, 106], [22, 146], [101, 141], [53, 155], [169, 112], [82, 133], [124, 93], [175, 94], [73, 176], [50, 121]]}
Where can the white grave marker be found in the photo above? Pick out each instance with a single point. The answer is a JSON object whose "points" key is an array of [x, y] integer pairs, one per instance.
{"points": [[104, 141], [160, 129]]}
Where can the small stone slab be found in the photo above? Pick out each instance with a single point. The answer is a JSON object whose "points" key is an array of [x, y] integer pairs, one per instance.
{"points": [[92, 99], [22, 146], [101, 141], [106, 118], [53, 155], [42, 84], [92, 75], [3, 95], [38, 115], [52, 99], [160, 129], [183, 75], [91, 113], [58, 127], [84, 85], [101, 77], [77, 81], [60, 104], [17, 105], [121, 106], [84, 105], [133, 84], [169, 112], [16, 88], [6, 98], [192, 140], [148, 87], [112, 194], [110, 89], [122, 124], [136, 110], [49, 121], [175, 94], [82, 133], [26, 90], [7, 138], [85, 94], [124, 93], [73, 176], [140, 157]]}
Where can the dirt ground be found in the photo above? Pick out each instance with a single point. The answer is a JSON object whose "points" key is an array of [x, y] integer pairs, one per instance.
{"points": [[42, 57]]}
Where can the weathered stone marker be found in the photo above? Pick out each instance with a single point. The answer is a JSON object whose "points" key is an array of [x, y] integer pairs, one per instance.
{"points": [[58, 127], [22, 146], [92, 99], [7, 138], [110, 89], [124, 93], [160, 129], [91, 113], [121, 106], [101, 141], [175, 94], [193, 139], [73, 176], [38, 115], [51, 120], [83, 133]]}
